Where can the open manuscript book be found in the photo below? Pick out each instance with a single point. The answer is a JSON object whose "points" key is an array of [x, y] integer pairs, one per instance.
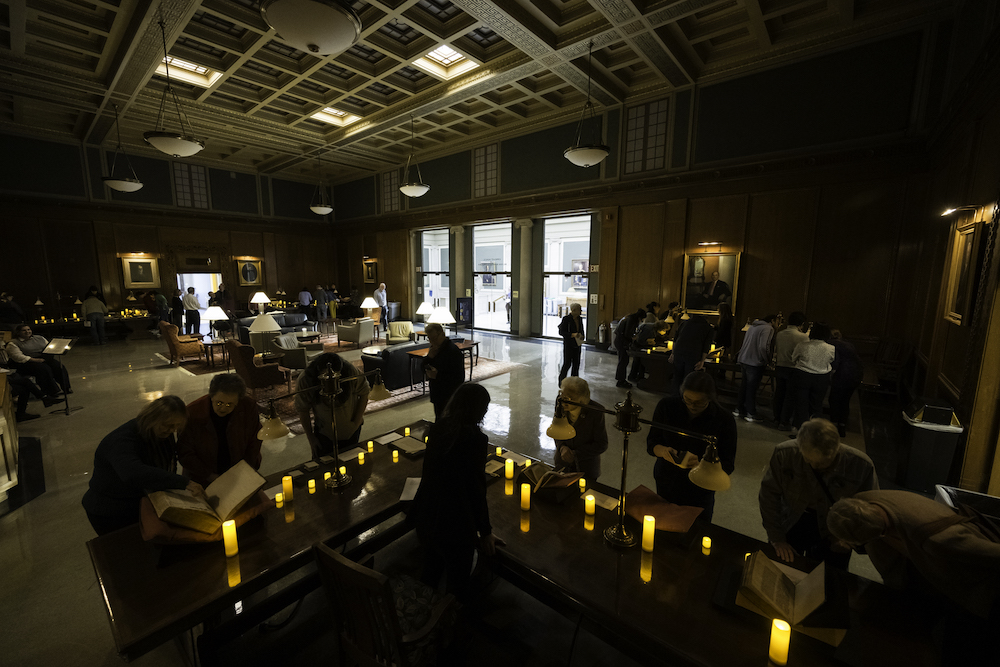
{"points": [[226, 495]]}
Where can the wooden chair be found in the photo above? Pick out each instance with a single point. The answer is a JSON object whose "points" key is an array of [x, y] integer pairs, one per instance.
{"points": [[256, 377], [374, 630], [180, 345]]}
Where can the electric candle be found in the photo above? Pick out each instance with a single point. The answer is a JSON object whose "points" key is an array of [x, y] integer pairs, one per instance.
{"points": [[746, 556], [286, 487], [591, 504], [406, 431], [395, 456], [649, 350], [327, 476], [361, 459], [508, 469], [588, 522], [312, 486], [527, 463], [706, 545], [229, 538], [343, 470], [646, 567], [371, 446], [499, 451], [279, 499], [780, 635], [583, 485], [426, 437], [526, 496], [648, 531]]}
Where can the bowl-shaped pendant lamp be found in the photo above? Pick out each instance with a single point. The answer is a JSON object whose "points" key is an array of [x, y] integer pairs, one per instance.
{"points": [[318, 27], [121, 183], [589, 154], [178, 144], [321, 204], [413, 188]]}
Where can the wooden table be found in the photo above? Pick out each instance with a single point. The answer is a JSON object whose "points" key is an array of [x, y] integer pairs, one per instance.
{"points": [[685, 615], [153, 593], [467, 348], [210, 346]]}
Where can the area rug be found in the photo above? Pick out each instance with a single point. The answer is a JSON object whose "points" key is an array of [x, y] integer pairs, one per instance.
{"points": [[486, 368]]}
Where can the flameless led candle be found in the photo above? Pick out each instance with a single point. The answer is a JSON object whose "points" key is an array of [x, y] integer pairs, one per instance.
{"points": [[343, 470], [426, 438], [648, 531], [527, 463], [406, 431], [361, 459], [279, 499], [591, 504], [395, 456], [646, 567], [286, 487], [588, 522], [525, 521], [526, 496], [327, 475], [229, 538], [746, 556], [706, 545], [508, 469], [312, 486], [499, 449], [583, 485], [780, 635], [371, 446], [649, 350], [508, 487]]}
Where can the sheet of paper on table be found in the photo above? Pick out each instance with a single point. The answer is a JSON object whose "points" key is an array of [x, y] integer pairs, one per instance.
{"points": [[350, 454], [516, 458], [410, 488], [607, 502], [409, 445], [493, 466], [387, 438], [273, 491]]}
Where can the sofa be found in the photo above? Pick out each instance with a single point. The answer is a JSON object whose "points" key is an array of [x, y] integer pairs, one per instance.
{"points": [[394, 362], [288, 322]]}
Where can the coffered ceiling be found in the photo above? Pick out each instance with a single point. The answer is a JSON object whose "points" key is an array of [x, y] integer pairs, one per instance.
{"points": [[64, 64]]}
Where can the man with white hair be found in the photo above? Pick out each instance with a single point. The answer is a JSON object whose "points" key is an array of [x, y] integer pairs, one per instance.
{"points": [[803, 479], [582, 452], [383, 303]]}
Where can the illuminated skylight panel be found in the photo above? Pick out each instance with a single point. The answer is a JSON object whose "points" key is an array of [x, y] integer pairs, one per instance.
{"points": [[445, 63], [188, 72], [336, 117]]}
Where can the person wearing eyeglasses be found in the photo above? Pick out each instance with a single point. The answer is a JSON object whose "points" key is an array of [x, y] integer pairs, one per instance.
{"points": [[221, 430]]}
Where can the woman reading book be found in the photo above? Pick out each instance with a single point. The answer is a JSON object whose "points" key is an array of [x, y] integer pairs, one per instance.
{"points": [[221, 430], [449, 510], [137, 457], [582, 452]]}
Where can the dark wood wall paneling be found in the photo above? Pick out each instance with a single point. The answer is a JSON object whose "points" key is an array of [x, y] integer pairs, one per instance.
{"points": [[672, 260], [71, 257], [395, 268], [640, 235]]}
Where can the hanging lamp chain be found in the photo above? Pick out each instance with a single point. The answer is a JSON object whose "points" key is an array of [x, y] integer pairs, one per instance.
{"points": [[118, 148], [185, 126]]}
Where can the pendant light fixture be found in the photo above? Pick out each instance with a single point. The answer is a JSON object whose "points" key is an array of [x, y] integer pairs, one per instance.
{"points": [[417, 188], [178, 144], [121, 184], [587, 155], [317, 27], [320, 202]]}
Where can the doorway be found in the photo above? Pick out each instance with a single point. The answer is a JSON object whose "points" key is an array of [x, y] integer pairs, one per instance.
{"points": [[203, 283]]}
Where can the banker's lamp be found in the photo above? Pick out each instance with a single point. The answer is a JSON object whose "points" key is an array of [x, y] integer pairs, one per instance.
{"points": [[708, 474]]}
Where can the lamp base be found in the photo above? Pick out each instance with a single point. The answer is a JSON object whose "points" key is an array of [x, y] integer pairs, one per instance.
{"points": [[619, 536], [337, 481]]}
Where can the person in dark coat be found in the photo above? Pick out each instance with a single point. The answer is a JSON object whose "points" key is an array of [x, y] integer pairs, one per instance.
{"points": [[624, 333], [582, 452], [444, 367], [695, 410], [449, 511], [845, 380], [137, 457], [571, 330], [692, 343]]}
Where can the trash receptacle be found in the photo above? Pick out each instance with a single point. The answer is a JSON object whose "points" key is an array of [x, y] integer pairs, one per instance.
{"points": [[931, 435]]}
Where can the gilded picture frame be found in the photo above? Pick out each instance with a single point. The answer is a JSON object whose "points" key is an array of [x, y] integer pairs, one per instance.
{"points": [[250, 272], [963, 274], [703, 290], [140, 272]]}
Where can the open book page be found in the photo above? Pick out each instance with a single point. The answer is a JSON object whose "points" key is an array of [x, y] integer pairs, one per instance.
{"points": [[544, 478], [232, 488], [769, 585], [810, 593], [182, 508]]}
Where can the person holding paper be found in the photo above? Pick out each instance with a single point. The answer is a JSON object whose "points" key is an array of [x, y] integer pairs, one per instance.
{"points": [[803, 479], [582, 453], [571, 330], [221, 430], [449, 510], [695, 410], [137, 457], [348, 415]]}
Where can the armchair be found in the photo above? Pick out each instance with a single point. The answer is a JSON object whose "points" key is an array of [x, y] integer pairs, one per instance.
{"points": [[256, 377], [400, 332], [180, 346], [297, 355], [361, 330], [373, 628]]}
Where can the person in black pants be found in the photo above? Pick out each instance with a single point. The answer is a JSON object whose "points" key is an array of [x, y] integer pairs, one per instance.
{"points": [[695, 410], [444, 367], [571, 330], [449, 511], [624, 333], [23, 388]]}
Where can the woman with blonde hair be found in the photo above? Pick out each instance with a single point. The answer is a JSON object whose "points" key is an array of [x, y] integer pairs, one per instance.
{"points": [[137, 457]]}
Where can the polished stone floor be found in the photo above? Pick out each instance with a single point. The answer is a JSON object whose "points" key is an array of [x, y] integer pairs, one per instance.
{"points": [[51, 611]]}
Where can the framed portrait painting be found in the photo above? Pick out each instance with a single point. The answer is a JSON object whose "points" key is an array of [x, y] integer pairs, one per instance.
{"points": [[371, 271], [140, 272], [250, 272], [710, 278], [966, 263]]}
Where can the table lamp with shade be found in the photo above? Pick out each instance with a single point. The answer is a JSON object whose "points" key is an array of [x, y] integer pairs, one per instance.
{"points": [[214, 314], [708, 474], [425, 309], [368, 305], [442, 316], [263, 330], [260, 299]]}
